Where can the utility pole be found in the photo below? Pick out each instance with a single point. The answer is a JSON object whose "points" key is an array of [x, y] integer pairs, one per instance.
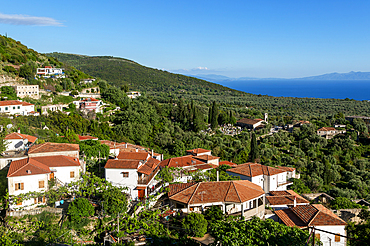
{"points": [[118, 227]]}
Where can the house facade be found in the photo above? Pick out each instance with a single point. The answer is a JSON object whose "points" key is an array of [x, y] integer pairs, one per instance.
{"points": [[237, 197], [50, 72], [27, 90], [134, 170], [32, 175], [319, 217], [18, 141], [16, 107], [268, 178], [91, 104], [329, 132]]}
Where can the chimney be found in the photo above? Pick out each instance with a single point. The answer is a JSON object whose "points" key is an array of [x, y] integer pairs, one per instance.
{"points": [[19, 130], [217, 176], [152, 152], [295, 202], [137, 150], [125, 145]]}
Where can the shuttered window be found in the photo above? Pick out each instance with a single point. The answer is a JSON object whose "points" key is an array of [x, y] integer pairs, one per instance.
{"points": [[317, 235], [125, 174], [72, 174], [19, 186], [41, 184], [337, 237]]}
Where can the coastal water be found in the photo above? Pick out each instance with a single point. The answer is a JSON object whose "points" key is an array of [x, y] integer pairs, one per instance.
{"points": [[352, 89]]}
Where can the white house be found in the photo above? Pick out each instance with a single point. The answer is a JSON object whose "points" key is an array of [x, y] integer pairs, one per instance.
{"points": [[32, 175], [233, 197], [134, 170], [133, 94], [318, 217], [16, 107], [27, 90], [18, 141], [329, 132], [50, 72], [269, 178]]}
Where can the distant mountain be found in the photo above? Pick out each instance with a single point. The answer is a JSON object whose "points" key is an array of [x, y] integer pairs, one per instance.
{"points": [[329, 76], [340, 76]]}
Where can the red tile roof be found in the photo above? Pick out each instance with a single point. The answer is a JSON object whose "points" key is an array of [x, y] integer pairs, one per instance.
{"points": [[40, 165], [254, 169], [90, 99], [286, 200], [83, 138], [53, 147], [122, 164], [149, 166], [206, 157], [309, 215], [14, 102], [327, 129], [249, 121], [133, 156], [288, 169], [197, 151], [181, 161], [237, 191], [230, 164], [16, 135]]}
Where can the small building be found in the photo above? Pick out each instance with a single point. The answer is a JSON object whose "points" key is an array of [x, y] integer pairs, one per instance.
{"points": [[15, 107], [249, 123], [318, 217], [91, 104], [329, 132], [52, 149], [87, 81], [268, 178], [18, 141], [53, 108], [237, 197], [32, 175], [198, 152], [50, 72], [284, 199], [27, 91], [318, 197], [134, 170], [133, 94]]}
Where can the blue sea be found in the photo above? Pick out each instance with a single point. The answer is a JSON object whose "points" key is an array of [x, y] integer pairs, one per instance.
{"points": [[339, 89]]}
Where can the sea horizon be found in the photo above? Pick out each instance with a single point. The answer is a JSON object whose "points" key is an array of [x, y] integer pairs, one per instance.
{"points": [[326, 89]]}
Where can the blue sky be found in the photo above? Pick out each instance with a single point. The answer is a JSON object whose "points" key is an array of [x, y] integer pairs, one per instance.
{"points": [[284, 39]]}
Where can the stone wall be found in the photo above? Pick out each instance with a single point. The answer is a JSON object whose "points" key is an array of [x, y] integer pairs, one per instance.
{"points": [[349, 214]]}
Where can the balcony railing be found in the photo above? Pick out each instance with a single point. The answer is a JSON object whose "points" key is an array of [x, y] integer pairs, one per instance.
{"points": [[147, 179]]}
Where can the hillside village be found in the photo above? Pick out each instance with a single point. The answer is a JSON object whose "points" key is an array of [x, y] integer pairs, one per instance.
{"points": [[87, 162]]}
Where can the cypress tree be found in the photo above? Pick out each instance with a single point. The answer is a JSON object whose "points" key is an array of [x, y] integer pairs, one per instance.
{"points": [[253, 154], [209, 115], [214, 118]]}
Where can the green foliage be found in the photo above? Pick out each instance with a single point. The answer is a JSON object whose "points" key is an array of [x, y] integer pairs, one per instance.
{"points": [[253, 155], [343, 203], [359, 233], [93, 148], [79, 209], [114, 201], [257, 232], [195, 224], [9, 92]]}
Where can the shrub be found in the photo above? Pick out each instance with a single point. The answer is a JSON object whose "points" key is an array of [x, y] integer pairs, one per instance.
{"points": [[195, 225]]}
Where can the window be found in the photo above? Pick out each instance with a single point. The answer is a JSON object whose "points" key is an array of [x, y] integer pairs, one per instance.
{"points": [[317, 236], [19, 186], [42, 184], [125, 174], [6, 108], [18, 107], [13, 107], [72, 174], [337, 237]]}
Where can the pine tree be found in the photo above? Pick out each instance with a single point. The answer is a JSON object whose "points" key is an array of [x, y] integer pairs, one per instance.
{"points": [[254, 148]]}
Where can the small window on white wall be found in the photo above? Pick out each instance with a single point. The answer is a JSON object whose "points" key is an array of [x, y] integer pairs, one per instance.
{"points": [[125, 174]]}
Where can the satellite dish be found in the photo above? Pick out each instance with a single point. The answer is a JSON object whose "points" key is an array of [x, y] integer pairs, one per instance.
{"points": [[19, 144], [9, 126]]}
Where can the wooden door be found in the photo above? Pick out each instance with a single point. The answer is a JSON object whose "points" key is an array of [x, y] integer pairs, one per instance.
{"points": [[141, 194], [51, 175]]}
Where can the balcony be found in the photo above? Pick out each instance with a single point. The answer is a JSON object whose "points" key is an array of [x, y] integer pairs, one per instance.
{"points": [[145, 180]]}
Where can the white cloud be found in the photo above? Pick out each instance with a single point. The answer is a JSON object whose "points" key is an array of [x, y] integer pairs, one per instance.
{"points": [[201, 68], [28, 20]]}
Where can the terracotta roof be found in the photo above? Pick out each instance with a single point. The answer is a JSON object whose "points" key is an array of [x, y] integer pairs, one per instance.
{"points": [[286, 200], [327, 129], [206, 157], [283, 193], [40, 165], [207, 192], [133, 156], [175, 188], [83, 138], [249, 121], [288, 169], [198, 151], [53, 147], [122, 164], [14, 102], [149, 166], [181, 161], [254, 169], [309, 215], [230, 164], [16, 135], [26, 167], [90, 99]]}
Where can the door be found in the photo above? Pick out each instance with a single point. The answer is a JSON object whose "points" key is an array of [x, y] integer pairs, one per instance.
{"points": [[51, 175], [141, 194]]}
